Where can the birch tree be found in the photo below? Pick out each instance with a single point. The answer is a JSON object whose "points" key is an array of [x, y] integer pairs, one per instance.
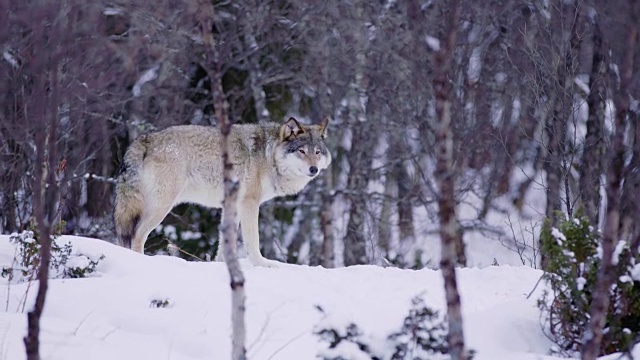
{"points": [[47, 41], [593, 61], [45, 139], [450, 233], [229, 227], [44, 205], [615, 176]]}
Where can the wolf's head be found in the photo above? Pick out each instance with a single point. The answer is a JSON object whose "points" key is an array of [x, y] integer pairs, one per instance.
{"points": [[302, 150]]}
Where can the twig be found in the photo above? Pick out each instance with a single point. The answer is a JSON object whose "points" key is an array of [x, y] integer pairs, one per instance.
{"points": [[171, 245], [109, 334], [535, 287], [15, 251], [75, 332], [4, 341], [286, 344], [26, 293], [261, 334]]}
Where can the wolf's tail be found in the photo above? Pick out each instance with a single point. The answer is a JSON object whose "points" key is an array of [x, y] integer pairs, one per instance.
{"points": [[129, 201]]}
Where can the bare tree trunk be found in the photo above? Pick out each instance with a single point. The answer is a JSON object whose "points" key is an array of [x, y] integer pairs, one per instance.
{"points": [[355, 242], [32, 341], [606, 273], [450, 234], [556, 127], [555, 124], [405, 209], [326, 223], [593, 153], [302, 229], [315, 236], [263, 115], [255, 76], [229, 226], [630, 206], [355, 251], [267, 231], [384, 219], [45, 187], [551, 166]]}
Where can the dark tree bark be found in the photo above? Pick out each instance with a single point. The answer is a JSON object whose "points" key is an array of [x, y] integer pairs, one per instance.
{"points": [[384, 219], [594, 151], [555, 128], [303, 229], [355, 241], [256, 83], [45, 102], [557, 158], [406, 192], [326, 223], [450, 234], [630, 203], [32, 340], [43, 220], [606, 273], [355, 252]]}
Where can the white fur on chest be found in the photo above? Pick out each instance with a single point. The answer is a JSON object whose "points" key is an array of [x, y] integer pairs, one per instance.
{"points": [[296, 184], [281, 186]]}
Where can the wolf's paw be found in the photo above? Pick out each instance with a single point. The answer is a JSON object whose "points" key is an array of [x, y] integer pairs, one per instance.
{"points": [[264, 262]]}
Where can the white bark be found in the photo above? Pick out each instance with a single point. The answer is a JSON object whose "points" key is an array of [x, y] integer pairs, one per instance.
{"points": [[229, 226]]}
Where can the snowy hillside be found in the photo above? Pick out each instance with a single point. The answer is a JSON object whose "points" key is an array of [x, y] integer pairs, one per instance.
{"points": [[109, 315]]}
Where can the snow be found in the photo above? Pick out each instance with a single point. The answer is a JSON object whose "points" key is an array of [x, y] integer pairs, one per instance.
{"points": [[346, 350], [6, 54], [507, 240], [432, 42], [620, 247], [516, 109], [114, 315], [147, 76], [558, 235], [112, 11], [475, 65], [635, 272], [582, 82], [79, 262]]}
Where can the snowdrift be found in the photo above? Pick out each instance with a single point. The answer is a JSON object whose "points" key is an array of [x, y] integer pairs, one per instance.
{"points": [[110, 315]]}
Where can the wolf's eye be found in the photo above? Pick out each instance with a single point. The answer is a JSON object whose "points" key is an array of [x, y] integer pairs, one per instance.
{"points": [[301, 151], [317, 152]]}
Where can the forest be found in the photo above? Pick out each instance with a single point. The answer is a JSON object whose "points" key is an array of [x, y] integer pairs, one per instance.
{"points": [[481, 124]]}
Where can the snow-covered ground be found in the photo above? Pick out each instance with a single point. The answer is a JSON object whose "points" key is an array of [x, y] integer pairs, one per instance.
{"points": [[108, 316]]}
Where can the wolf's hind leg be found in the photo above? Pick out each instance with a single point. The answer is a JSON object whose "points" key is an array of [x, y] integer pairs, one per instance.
{"points": [[152, 216]]}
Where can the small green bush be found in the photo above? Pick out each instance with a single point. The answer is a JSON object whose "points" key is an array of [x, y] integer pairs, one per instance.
{"points": [[423, 335], [64, 262], [573, 257]]}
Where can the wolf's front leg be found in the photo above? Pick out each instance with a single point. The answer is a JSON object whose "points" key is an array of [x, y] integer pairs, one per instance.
{"points": [[248, 212]]}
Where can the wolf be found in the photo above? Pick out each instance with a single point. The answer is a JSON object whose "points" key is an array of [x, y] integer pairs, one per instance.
{"points": [[183, 164]]}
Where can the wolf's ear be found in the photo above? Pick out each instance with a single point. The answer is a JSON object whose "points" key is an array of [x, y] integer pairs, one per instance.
{"points": [[323, 127], [291, 128]]}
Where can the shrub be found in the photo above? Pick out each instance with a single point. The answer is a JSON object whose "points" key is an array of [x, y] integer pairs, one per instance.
{"points": [[160, 303], [423, 335], [64, 262], [573, 257]]}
